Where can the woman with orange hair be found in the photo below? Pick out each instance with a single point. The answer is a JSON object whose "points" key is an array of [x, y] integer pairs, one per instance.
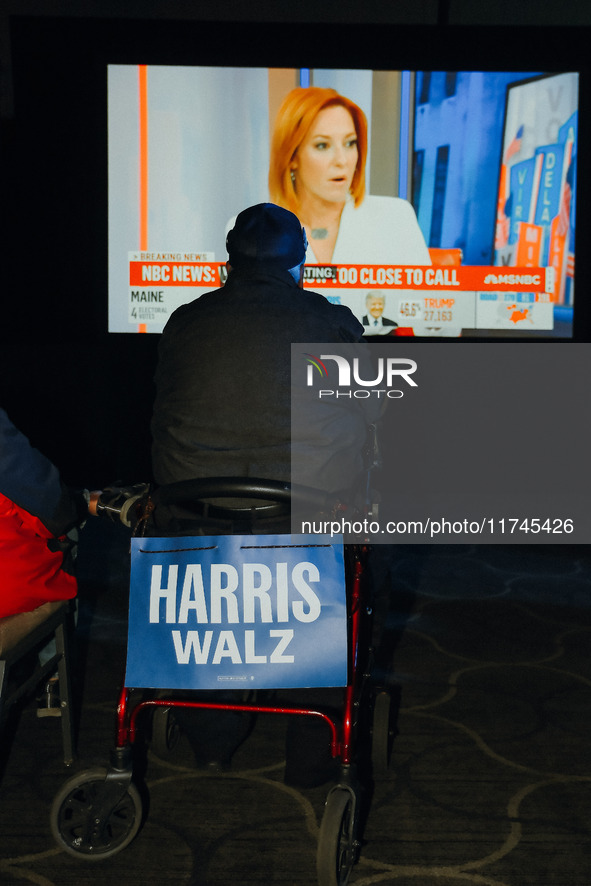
{"points": [[317, 170]]}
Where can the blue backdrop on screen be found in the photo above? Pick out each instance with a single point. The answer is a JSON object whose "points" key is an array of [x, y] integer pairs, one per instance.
{"points": [[237, 611], [455, 192]]}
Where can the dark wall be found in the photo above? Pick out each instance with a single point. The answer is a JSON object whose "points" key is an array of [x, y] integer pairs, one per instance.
{"points": [[81, 395]]}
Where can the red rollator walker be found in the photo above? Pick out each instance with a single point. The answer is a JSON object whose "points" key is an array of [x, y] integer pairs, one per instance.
{"points": [[98, 812]]}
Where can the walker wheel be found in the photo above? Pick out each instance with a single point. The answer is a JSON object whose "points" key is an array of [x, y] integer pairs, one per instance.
{"points": [[95, 818], [166, 732], [338, 848], [383, 734]]}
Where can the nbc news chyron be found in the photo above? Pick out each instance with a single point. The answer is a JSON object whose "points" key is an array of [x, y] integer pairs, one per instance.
{"points": [[388, 371]]}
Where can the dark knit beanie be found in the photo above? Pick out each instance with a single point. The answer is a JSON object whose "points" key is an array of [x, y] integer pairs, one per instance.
{"points": [[266, 234]]}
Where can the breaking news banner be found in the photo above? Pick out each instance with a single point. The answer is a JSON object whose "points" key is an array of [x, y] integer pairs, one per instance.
{"points": [[475, 444], [237, 612], [422, 296]]}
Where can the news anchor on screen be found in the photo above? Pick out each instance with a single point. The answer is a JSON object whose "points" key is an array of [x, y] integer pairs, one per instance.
{"points": [[317, 171]]}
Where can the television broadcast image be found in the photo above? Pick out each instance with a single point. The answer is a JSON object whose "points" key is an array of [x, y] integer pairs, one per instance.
{"points": [[458, 221]]}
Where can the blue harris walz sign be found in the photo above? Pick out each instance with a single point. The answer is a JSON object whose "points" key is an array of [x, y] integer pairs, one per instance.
{"points": [[263, 612]]}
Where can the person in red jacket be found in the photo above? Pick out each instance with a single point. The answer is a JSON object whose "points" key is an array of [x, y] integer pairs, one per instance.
{"points": [[38, 519], [37, 511]]}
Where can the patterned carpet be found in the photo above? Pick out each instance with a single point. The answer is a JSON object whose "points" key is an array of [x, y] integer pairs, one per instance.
{"points": [[487, 654]]}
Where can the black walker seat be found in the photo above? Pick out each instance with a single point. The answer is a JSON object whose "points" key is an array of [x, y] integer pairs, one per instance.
{"points": [[98, 812], [21, 634]]}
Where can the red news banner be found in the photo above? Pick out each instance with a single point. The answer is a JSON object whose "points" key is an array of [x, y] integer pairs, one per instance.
{"points": [[463, 278]]}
